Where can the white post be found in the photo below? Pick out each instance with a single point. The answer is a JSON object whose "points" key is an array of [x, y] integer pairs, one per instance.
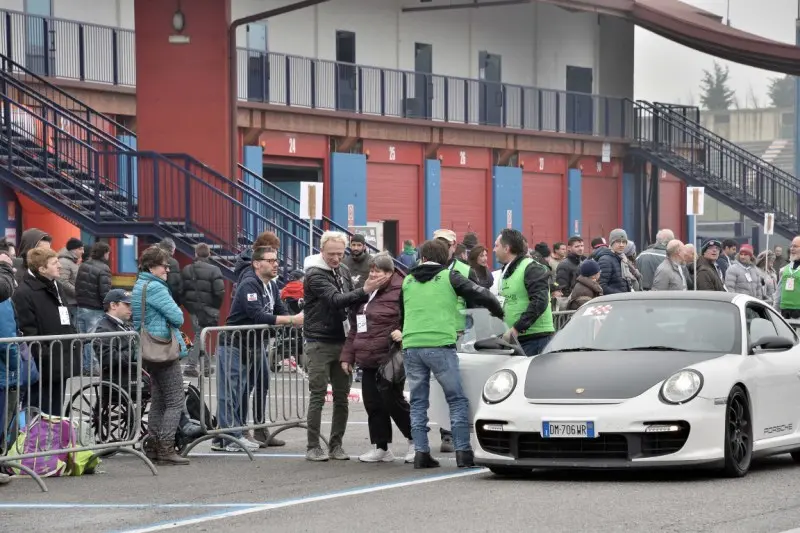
{"points": [[310, 236], [766, 249], [696, 249]]}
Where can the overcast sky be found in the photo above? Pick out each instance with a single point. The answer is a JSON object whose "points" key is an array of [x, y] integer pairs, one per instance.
{"points": [[669, 72]]}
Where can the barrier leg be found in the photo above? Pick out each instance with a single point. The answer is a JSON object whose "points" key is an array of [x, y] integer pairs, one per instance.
{"points": [[141, 456], [295, 425], [39, 481], [223, 436]]}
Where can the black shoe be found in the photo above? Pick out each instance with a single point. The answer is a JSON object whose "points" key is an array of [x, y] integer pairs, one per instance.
{"points": [[424, 460], [465, 459]]}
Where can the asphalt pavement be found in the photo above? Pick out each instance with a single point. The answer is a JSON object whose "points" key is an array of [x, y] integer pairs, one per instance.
{"points": [[280, 491]]}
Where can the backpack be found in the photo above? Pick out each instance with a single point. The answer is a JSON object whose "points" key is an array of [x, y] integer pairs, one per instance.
{"points": [[193, 402], [45, 433]]}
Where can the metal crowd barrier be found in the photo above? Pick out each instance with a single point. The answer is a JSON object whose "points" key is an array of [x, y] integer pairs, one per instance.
{"points": [[560, 318], [51, 414], [266, 362]]}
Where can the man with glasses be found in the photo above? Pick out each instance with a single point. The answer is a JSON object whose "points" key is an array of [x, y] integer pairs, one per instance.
{"points": [[243, 363], [788, 296]]}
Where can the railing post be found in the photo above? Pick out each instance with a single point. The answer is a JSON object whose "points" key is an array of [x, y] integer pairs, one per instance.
{"points": [[446, 99], [558, 112], [9, 43], [540, 107], [522, 108], [503, 103], [81, 54], [383, 92], [404, 94], [115, 57], [46, 46], [313, 83], [360, 82], [287, 79], [607, 113], [466, 101]]}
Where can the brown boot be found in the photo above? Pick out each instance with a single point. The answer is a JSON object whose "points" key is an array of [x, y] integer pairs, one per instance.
{"points": [[150, 447], [168, 456]]}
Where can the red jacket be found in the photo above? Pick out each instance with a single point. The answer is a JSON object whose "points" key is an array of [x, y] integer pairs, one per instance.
{"points": [[371, 349]]}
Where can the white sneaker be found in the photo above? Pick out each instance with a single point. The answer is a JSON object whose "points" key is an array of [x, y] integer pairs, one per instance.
{"points": [[377, 455], [412, 451], [234, 447]]}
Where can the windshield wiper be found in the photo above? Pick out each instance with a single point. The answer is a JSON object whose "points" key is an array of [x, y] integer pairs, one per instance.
{"points": [[653, 348], [583, 349]]}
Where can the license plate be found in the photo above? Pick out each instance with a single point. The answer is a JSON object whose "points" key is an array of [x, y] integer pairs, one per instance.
{"points": [[568, 430]]}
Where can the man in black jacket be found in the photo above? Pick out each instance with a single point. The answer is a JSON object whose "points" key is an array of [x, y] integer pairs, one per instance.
{"points": [[328, 291], [91, 286], [570, 268], [203, 292], [116, 354], [242, 357], [174, 278]]}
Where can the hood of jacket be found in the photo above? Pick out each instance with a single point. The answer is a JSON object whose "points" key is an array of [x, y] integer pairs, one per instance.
{"points": [[590, 284], [244, 260], [30, 238], [426, 271], [68, 254], [315, 261], [601, 252], [293, 289], [248, 274]]}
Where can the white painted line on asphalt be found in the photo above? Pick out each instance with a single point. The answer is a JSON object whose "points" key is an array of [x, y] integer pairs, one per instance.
{"points": [[163, 526]]}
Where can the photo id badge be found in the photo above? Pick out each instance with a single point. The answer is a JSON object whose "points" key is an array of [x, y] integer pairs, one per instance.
{"points": [[748, 277], [361, 323], [346, 326], [63, 314], [790, 284]]}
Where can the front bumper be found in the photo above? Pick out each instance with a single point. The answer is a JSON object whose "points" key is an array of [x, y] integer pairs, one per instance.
{"points": [[514, 435]]}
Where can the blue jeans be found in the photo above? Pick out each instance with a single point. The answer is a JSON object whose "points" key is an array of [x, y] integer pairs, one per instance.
{"points": [[443, 363], [86, 322], [535, 345], [236, 379]]}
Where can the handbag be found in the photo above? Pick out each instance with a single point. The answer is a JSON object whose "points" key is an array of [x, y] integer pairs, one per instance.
{"points": [[155, 349], [393, 370]]}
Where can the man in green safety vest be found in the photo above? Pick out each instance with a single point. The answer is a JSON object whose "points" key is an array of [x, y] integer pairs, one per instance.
{"points": [[524, 293], [428, 301], [788, 294]]}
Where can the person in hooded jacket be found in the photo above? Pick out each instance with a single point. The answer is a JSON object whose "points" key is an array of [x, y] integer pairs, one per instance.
{"points": [[611, 259], [358, 260], [70, 258], [569, 269], [30, 239], [409, 256], [429, 301], [709, 275], [292, 292], [245, 259], [586, 286], [91, 286], [743, 277], [41, 310]]}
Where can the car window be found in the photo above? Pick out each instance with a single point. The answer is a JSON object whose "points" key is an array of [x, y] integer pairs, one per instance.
{"points": [[783, 329], [681, 324], [758, 322]]}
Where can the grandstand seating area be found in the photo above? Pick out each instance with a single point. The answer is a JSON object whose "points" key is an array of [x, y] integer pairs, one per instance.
{"points": [[779, 152]]}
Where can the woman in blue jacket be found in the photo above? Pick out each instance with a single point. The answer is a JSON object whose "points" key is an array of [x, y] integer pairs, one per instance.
{"points": [[163, 319]]}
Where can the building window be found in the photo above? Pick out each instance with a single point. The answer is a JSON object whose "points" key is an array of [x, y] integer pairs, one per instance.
{"points": [[39, 37]]}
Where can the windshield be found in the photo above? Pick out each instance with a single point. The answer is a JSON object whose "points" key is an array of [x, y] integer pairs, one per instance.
{"points": [[481, 325], [658, 325]]}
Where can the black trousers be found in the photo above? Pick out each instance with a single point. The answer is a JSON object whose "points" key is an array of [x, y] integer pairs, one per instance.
{"points": [[384, 402]]}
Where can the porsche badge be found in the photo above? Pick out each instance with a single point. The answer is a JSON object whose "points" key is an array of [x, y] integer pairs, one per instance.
{"points": [[579, 391]]}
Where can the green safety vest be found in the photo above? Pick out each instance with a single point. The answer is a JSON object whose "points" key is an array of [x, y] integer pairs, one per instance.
{"points": [[790, 299], [515, 301], [428, 312], [461, 318]]}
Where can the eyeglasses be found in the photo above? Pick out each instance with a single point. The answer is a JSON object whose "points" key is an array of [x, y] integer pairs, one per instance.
{"points": [[270, 261]]}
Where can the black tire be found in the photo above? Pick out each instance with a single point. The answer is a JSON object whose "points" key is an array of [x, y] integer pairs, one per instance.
{"points": [[509, 471], [796, 456], [738, 434]]}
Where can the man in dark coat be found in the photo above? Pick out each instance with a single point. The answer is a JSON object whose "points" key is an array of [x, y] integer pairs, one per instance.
{"points": [[91, 286], [203, 292], [174, 278]]}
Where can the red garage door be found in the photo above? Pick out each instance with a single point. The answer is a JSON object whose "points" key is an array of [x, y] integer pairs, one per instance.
{"points": [[543, 216], [464, 202], [671, 209], [393, 194], [600, 206]]}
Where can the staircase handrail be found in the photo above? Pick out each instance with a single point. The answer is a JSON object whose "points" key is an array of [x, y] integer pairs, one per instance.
{"points": [[752, 158]]}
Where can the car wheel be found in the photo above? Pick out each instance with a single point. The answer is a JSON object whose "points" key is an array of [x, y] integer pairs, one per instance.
{"points": [[738, 434], [508, 471], [796, 456]]}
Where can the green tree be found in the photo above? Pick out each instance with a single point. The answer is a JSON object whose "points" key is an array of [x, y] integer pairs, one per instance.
{"points": [[715, 93], [781, 91]]}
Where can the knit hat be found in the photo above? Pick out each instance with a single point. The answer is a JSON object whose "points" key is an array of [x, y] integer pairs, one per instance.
{"points": [[617, 235], [542, 249], [630, 248], [597, 242], [746, 249], [470, 240], [74, 244], [589, 268], [709, 243], [358, 238]]}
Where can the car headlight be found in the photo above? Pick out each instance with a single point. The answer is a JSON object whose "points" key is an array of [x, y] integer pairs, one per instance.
{"points": [[681, 387], [499, 386]]}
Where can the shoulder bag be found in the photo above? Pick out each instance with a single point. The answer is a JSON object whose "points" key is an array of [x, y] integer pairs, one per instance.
{"points": [[393, 370], [155, 349]]}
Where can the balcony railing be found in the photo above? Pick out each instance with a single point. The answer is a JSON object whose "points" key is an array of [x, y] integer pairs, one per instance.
{"points": [[100, 54]]}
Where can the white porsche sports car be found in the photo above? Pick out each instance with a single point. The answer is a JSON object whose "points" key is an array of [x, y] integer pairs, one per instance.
{"points": [[650, 379]]}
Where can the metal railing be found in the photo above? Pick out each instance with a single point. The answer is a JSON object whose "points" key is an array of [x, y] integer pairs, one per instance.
{"points": [[85, 52], [265, 361], [54, 421]]}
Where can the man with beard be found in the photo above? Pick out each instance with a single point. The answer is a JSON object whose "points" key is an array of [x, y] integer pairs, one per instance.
{"points": [[788, 295], [358, 261]]}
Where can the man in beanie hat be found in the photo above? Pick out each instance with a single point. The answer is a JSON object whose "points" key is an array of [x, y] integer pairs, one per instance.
{"points": [[743, 277], [586, 286], [614, 272], [358, 260], [708, 274], [70, 257]]}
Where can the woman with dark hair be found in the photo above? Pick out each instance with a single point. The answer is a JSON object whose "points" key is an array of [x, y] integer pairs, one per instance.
{"points": [[479, 261], [373, 326], [162, 319]]}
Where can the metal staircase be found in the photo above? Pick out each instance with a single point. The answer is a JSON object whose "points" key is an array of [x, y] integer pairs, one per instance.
{"points": [[671, 139], [65, 155]]}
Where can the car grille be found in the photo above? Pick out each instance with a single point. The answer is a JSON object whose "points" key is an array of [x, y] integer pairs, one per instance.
{"points": [[607, 446]]}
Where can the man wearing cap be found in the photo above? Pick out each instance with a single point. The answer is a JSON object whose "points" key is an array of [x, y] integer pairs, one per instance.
{"points": [[709, 276], [787, 298], [358, 261], [598, 244], [743, 277], [69, 257], [116, 354]]}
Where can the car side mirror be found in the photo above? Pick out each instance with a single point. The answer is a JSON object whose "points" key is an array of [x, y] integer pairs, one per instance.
{"points": [[771, 343]]}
